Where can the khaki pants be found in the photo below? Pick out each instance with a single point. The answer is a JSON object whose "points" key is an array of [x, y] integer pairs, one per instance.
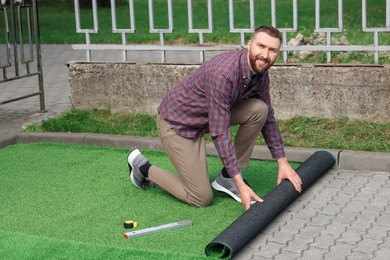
{"points": [[191, 184]]}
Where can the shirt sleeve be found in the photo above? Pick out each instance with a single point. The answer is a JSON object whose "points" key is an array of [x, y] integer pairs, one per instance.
{"points": [[270, 130], [218, 101]]}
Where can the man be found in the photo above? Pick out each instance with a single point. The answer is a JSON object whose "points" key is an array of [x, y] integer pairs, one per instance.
{"points": [[230, 89]]}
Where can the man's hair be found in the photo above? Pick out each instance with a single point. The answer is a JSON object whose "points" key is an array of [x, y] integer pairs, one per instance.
{"points": [[270, 30]]}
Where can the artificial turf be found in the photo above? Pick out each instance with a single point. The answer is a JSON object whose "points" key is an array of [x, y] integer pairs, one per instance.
{"points": [[64, 201]]}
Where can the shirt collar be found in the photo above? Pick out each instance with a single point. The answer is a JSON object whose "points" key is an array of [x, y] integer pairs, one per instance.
{"points": [[246, 73]]}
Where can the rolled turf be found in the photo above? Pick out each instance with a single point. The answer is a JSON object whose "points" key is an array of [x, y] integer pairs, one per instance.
{"points": [[252, 221]]}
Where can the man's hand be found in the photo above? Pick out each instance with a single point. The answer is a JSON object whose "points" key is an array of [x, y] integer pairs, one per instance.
{"points": [[246, 193], [285, 171]]}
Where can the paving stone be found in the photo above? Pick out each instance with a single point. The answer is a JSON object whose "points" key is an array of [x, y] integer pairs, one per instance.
{"points": [[354, 207], [269, 250], [349, 190], [260, 240], [345, 218], [332, 209], [336, 184], [373, 186], [361, 223], [307, 213], [317, 203], [320, 220], [294, 207], [384, 192], [313, 253], [293, 226], [339, 251], [276, 224], [359, 256], [378, 232], [386, 242], [281, 236], [308, 240], [351, 237], [327, 193], [245, 253], [358, 182], [335, 228], [310, 231], [324, 241], [383, 254], [296, 245], [345, 175], [367, 245], [254, 258], [341, 199], [286, 255], [373, 211]]}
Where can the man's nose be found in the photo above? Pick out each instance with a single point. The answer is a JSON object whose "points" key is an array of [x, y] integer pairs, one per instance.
{"points": [[265, 53]]}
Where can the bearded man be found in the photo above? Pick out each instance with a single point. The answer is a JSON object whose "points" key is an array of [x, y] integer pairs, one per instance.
{"points": [[230, 89]]}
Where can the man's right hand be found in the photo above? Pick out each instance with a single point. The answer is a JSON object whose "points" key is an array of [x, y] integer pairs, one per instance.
{"points": [[246, 192]]}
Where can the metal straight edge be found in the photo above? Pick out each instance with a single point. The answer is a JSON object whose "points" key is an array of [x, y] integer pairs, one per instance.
{"points": [[153, 47], [226, 47], [150, 230]]}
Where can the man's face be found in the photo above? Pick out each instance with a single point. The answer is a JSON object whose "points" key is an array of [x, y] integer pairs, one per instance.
{"points": [[263, 51]]}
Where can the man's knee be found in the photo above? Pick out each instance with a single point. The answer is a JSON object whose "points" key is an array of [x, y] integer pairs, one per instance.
{"points": [[257, 112], [258, 107], [203, 200]]}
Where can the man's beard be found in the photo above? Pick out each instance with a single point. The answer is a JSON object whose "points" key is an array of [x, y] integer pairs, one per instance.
{"points": [[255, 68]]}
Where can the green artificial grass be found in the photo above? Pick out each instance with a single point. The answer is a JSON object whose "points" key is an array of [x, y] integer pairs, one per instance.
{"points": [[70, 201]]}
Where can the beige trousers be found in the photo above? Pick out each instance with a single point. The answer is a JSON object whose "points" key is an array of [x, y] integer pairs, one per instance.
{"points": [[191, 183]]}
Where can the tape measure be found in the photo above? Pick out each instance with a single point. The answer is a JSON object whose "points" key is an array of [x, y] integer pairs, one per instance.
{"points": [[130, 224]]}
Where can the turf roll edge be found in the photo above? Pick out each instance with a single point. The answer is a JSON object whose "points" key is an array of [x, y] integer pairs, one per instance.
{"points": [[230, 241]]}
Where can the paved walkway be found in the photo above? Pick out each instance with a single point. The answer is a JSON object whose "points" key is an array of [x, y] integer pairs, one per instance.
{"points": [[344, 215]]}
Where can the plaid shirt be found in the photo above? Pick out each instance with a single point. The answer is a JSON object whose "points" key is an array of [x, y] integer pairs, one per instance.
{"points": [[206, 97]]}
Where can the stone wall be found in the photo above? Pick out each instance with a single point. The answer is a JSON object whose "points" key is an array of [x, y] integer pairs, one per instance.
{"points": [[356, 92]]}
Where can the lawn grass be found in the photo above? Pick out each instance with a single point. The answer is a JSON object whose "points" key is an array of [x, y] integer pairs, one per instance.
{"points": [[66, 201], [65, 27], [340, 133], [57, 23]]}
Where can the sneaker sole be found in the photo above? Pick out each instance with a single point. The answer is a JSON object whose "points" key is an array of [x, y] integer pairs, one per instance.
{"points": [[220, 188], [130, 158]]}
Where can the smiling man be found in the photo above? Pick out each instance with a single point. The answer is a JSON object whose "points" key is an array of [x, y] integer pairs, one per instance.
{"points": [[230, 89]]}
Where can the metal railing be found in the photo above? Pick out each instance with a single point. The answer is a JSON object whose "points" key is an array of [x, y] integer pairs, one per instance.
{"points": [[21, 35], [328, 47]]}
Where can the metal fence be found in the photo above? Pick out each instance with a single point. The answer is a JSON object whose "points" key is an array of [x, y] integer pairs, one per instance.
{"points": [[328, 47], [21, 36]]}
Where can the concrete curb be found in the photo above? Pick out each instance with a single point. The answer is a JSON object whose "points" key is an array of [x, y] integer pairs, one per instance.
{"points": [[346, 160]]}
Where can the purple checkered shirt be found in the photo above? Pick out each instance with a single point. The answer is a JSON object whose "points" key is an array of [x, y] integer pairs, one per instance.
{"points": [[206, 98]]}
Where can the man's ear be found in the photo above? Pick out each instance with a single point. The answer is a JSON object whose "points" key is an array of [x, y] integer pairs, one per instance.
{"points": [[249, 43]]}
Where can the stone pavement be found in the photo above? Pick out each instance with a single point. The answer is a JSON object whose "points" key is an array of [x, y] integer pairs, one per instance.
{"points": [[344, 215]]}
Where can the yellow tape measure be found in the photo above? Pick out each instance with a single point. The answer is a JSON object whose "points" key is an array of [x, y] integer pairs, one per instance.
{"points": [[130, 224]]}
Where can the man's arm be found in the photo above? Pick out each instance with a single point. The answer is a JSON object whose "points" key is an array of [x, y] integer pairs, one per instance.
{"points": [[274, 139]]}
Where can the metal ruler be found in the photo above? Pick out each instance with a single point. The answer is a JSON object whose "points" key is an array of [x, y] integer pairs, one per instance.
{"points": [[150, 230]]}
